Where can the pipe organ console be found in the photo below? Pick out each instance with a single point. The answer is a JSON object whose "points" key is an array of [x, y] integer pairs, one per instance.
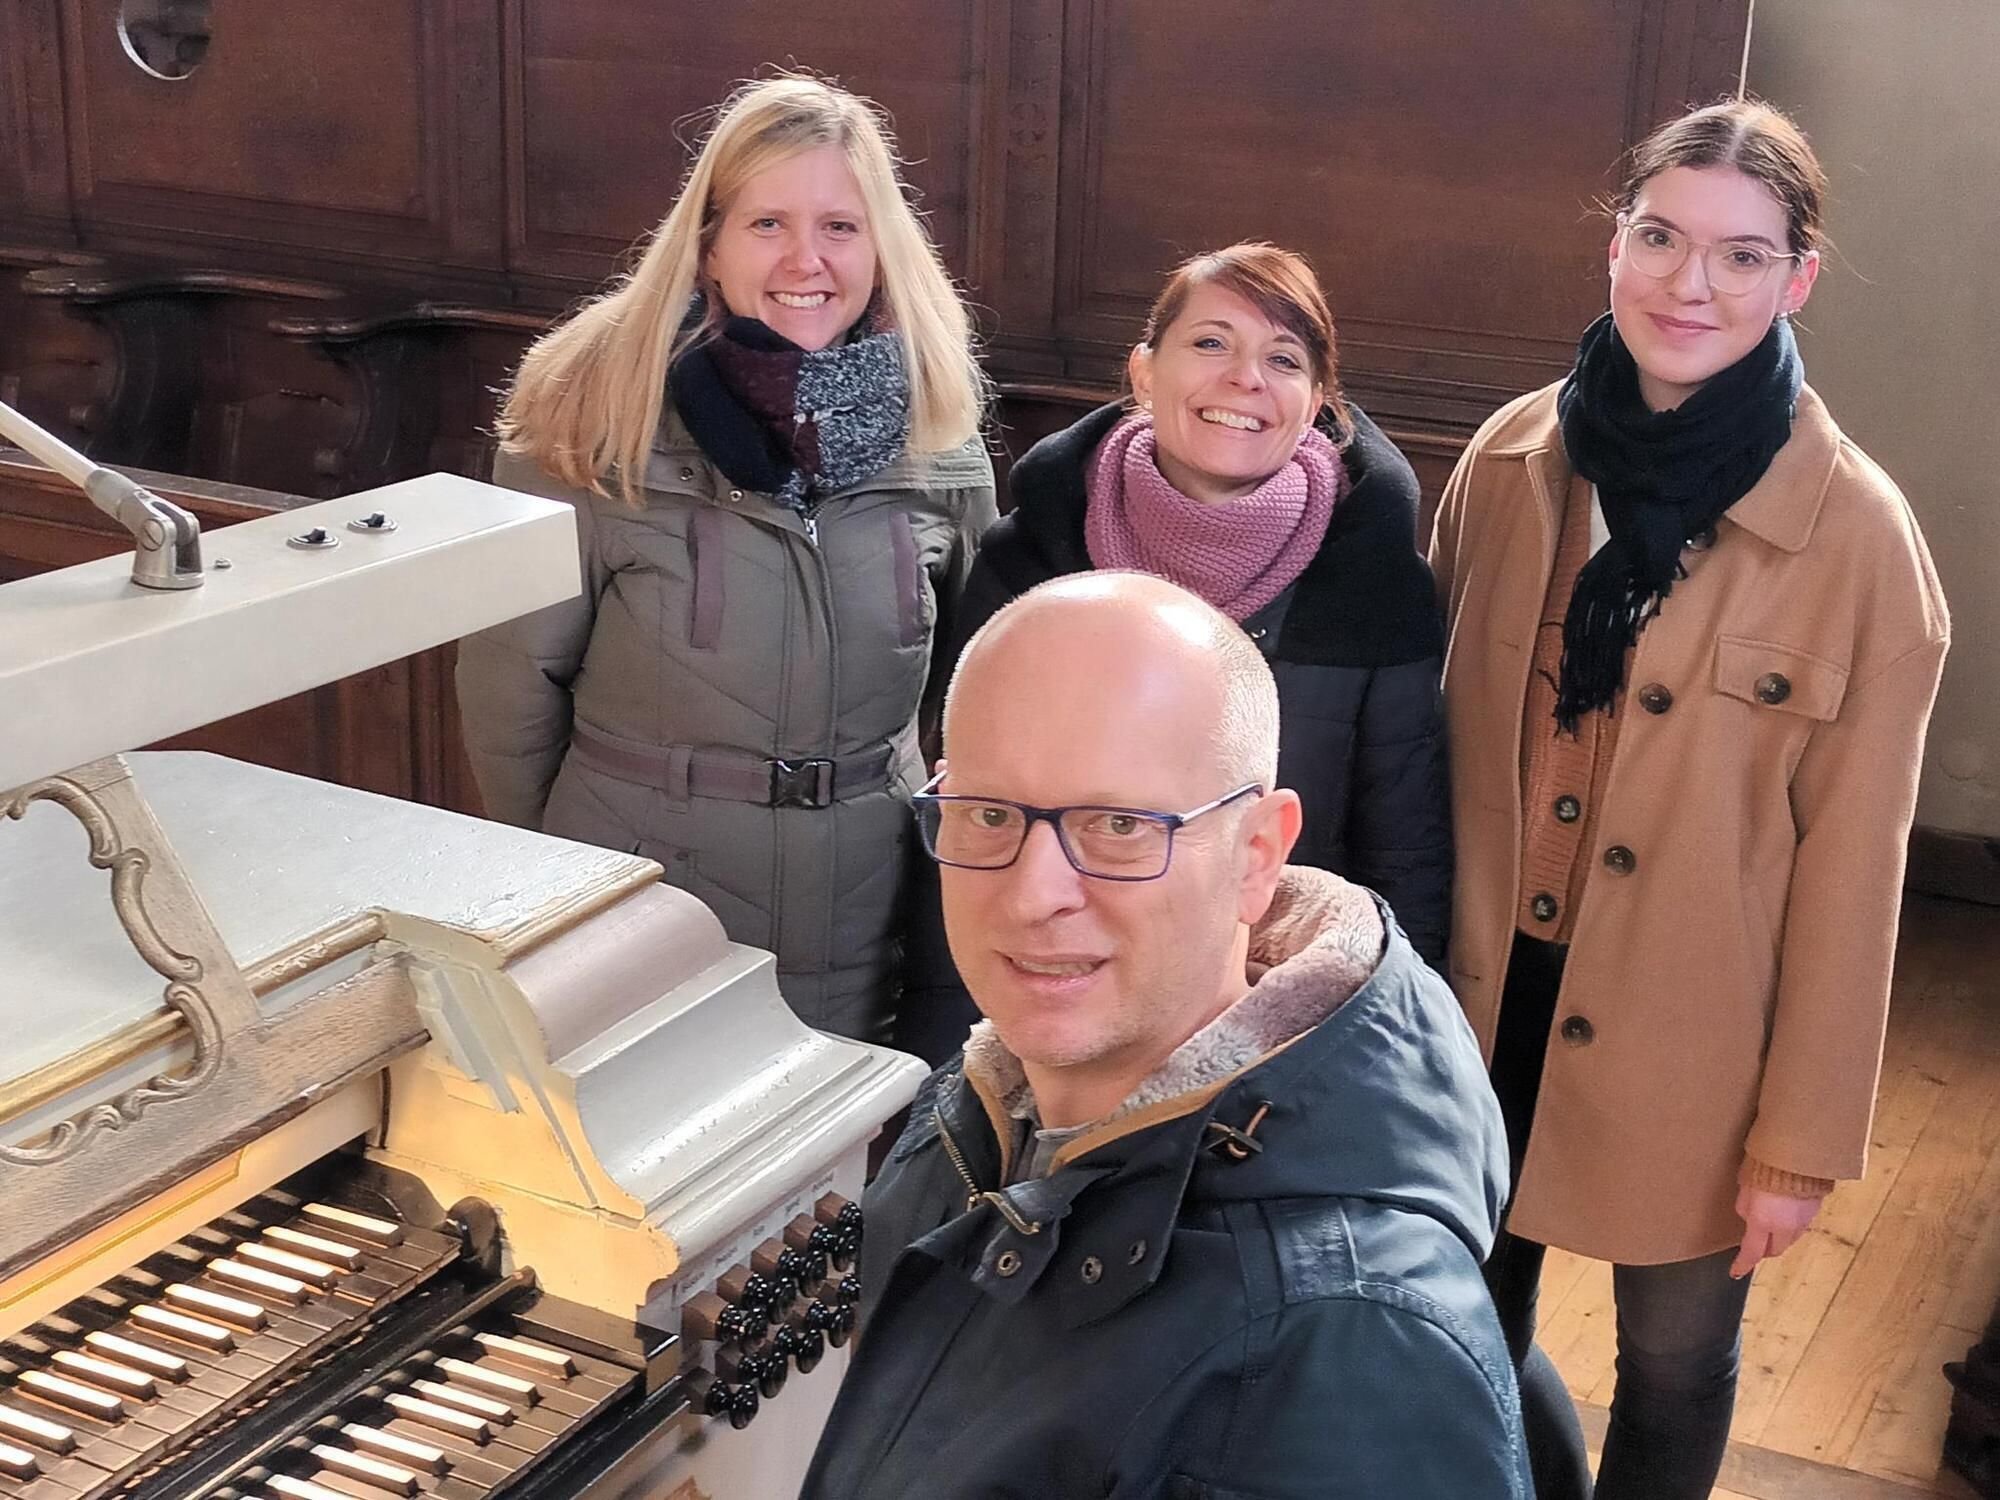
{"points": [[354, 1148]]}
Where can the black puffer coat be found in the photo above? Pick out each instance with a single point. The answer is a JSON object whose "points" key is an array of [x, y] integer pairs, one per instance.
{"points": [[1357, 649]]}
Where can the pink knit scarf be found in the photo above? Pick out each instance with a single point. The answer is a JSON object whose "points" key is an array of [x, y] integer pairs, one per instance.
{"points": [[1240, 554]]}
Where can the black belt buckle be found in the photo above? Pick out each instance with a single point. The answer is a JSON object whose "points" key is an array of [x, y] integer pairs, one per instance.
{"points": [[802, 783]]}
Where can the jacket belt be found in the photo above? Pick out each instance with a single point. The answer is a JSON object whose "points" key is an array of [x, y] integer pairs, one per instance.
{"points": [[682, 770]]}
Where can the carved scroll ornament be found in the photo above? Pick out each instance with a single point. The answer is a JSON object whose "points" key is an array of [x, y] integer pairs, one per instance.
{"points": [[129, 866]]}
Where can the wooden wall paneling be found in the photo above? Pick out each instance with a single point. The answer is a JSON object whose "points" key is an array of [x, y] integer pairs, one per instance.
{"points": [[34, 173], [365, 132], [1437, 160], [52, 365], [605, 101], [190, 360], [422, 384], [1011, 272]]}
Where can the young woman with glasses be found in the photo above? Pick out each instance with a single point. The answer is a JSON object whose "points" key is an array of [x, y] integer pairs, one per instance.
{"points": [[1694, 635], [1239, 472]]}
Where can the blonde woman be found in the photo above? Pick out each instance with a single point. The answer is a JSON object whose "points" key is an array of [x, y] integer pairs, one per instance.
{"points": [[768, 431]]}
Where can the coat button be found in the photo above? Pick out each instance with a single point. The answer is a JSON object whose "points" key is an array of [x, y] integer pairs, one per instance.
{"points": [[734, 496], [1007, 1262], [1619, 860], [1544, 907], [686, 473], [1578, 1032], [1773, 688], [1135, 1252], [1655, 698], [1092, 1270], [1568, 809]]}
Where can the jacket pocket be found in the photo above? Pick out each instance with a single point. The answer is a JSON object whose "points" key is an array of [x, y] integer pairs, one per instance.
{"points": [[1779, 678]]}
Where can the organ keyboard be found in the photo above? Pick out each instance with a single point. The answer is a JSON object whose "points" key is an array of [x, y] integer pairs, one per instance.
{"points": [[354, 1148]]}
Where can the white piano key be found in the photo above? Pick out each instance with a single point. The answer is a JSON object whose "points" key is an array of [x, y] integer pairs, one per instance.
{"points": [[140, 1356], [497, 1412], [77, 1396], [302, 1489], [257, 1279], [498, 1382], [334, 1252], [394, 1446], [537, 1357], [18, 1462], [361, 1226], [373, 1472], [232, 1310], [179, 1325], [443, 1418], [270, 1258], [43, 1433], [109, 1375]]}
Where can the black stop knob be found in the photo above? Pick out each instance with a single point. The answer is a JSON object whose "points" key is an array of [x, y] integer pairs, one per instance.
{"points": [[815, 1264], [843, 1325], [809, 1346], [846, 1247], [792, 1266], [733, 1324], [742, 1405], [716, 1404], [848, 1292], [849, 1217], [771, 1378], [819, 1317], [758, 1291]]}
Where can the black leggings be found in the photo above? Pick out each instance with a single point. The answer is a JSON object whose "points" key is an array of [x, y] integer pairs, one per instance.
{"points": [[1679, 1325]]}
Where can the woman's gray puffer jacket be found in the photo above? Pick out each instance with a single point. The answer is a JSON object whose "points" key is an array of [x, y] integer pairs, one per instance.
{"points": [[735, 693]]}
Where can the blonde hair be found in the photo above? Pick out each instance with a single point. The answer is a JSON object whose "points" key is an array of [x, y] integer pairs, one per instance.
{"points": [[588, 395]]}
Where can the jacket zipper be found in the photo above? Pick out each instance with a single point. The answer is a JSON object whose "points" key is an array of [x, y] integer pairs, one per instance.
{"points": [[974, 1194]]}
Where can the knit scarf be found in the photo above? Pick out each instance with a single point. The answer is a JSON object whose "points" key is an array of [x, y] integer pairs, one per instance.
{"points": [[1239, 554], [790, 422], [1662, 479]]}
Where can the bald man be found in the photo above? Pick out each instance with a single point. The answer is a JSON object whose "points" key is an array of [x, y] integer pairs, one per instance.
{"points": [[1199, 1210]]}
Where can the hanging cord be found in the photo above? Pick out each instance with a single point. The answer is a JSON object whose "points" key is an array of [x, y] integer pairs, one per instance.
{"points": [[1239, 1145]]}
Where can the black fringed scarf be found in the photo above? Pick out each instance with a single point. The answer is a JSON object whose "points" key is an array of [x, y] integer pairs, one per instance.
{"points": [[1662, 479]]}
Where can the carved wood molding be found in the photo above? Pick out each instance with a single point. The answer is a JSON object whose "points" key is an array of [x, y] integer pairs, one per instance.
{"points": [[112, 849]]}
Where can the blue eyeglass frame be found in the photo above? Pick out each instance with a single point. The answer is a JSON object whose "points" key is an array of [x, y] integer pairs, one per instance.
{"points": [[1175, 822]]}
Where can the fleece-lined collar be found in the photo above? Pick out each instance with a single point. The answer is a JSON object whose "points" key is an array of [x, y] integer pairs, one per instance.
{"points": [[1317, 944]]}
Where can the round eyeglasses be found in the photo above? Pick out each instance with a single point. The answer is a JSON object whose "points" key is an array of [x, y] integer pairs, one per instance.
{"points": [[1734, 268], [1105, 843]]}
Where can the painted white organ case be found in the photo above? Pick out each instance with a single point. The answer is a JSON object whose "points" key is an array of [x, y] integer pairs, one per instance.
{"points": [[353, 1148]]}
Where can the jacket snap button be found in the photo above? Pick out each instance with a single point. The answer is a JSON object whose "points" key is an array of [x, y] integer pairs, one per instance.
{"points": [[1092, 1270], [686, 473], [1619, 860], [1655, 698], [1773, 687], [1578, 1031], [734, 496], [1136, 1254], [1007, 1262], [1568, 809], [1544, 907]]}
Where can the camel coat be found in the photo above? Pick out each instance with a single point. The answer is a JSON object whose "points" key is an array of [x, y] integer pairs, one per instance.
{"points": [[1728, 979]]}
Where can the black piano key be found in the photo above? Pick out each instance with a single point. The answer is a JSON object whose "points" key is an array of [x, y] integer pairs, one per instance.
{"points": [[370, 1291]]}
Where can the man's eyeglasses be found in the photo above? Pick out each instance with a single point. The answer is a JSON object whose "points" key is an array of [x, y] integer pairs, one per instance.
{"points": [[1734, 267], [1106, 843]]}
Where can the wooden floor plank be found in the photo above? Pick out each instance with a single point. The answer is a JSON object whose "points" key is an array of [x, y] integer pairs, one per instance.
{"points": [[1904, 1274]]}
